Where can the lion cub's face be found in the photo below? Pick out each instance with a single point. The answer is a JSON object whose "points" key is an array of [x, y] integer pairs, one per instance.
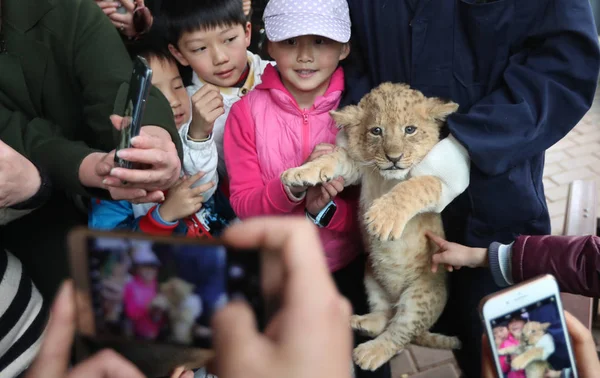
{"points": [[533, 332], [392, 128]]}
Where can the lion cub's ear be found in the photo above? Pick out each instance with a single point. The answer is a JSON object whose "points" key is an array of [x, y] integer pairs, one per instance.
{"points": [[545, 326], [438, 109], [347, 116]]}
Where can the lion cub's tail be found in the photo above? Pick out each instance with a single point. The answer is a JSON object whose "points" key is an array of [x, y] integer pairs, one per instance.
{"points": [[435, 340]]}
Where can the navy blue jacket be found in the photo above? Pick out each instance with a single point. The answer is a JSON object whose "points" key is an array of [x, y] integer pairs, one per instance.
{"points": [[523, 72]]}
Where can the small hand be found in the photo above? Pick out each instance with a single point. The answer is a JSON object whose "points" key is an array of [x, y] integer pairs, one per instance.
{"points": [[317, 197], [183, 200], [290, 175], [456, 255], [207, 106]]}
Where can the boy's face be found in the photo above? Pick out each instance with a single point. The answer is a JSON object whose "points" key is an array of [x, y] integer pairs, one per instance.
{"points": [[218, 56], [165, 76], [306, 63], [500, 333]]}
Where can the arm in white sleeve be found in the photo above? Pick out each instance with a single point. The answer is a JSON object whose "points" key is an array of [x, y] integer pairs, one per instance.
{"points": [[200, 157], [449, 161]]}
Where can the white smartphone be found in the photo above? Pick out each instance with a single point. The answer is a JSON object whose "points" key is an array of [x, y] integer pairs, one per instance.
{"points": [[526, 328]]}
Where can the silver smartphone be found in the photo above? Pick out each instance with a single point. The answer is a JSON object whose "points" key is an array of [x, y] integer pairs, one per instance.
{"points": [[526, 328]]}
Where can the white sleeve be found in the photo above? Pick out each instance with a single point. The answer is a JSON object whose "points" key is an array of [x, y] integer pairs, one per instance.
{"points": [[449, 161], [200, 157], [547, 344]]}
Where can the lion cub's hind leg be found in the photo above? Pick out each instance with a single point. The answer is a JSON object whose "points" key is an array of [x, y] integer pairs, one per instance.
{"points": [[373, 323], [417, 310]]}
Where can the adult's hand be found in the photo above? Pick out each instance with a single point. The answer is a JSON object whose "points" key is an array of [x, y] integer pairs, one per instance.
{"points": [[310, 335], [582, 341], [53, 359], [19, 178]]}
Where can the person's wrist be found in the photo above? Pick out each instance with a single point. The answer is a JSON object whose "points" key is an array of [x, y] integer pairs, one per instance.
{"points": [[481, 257], [165, 215], [198, 131], [33, 184]]}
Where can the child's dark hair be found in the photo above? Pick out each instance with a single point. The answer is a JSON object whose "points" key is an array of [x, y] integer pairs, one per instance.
{"points": [[152, 45], [181, 16]]}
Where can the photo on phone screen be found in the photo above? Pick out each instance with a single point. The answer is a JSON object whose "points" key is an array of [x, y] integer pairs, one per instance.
{"points": [[531, 342], [143, 290]]}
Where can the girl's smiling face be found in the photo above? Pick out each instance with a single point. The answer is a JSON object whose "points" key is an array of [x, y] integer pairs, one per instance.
{"points": [[516, 327], [500, 334]]}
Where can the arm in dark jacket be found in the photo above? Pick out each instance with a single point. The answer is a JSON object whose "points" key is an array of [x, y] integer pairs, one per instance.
{"points": [[547, 88], [573, 260], [101, 68]]}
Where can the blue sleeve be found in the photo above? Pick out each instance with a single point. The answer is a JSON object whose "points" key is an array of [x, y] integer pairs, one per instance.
{"points": [[547, 88], [111, 215]]}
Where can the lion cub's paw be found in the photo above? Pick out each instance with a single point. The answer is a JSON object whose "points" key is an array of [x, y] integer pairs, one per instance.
{"points": [[384, 220], [307, 175], [370, 324], [520, 362], [372, 354]]}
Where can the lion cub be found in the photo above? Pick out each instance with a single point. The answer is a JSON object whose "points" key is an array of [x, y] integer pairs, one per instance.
{"points": [[381, 139], [536, 345]]}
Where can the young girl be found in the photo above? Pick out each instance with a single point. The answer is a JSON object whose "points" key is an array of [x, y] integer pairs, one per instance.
{"points": [[276, 126], [285, 122], [140, 291]]}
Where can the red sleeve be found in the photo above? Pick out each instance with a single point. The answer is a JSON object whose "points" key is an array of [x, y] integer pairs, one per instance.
{"points": [[149, 225], [573, 260], [249, 195]]}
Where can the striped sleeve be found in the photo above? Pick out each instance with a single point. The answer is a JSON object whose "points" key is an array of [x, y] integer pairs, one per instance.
{"points": [[23, 316]]}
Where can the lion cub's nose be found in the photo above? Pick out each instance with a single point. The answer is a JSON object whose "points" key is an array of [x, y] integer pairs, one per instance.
{"points": [[394, 159]]}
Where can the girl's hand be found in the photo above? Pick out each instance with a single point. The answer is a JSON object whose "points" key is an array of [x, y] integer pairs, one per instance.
{"points": [[319, 150], [455, 255], [318, 197]]}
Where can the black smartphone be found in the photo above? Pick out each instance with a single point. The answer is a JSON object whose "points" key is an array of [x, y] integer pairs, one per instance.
{"points": [[135, 105], [148, 296]]}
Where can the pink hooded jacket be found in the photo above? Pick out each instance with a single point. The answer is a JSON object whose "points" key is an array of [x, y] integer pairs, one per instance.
{"points": [[265, 134]]}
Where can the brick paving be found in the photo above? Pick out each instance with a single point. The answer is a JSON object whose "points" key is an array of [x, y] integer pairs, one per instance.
{"points": [[576, 156]]}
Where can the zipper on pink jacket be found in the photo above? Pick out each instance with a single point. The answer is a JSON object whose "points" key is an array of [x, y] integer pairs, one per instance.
{"points": [[305, 135]]}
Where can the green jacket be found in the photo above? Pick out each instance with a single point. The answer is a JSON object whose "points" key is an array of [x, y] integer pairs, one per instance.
{"points": [[64, 70]]}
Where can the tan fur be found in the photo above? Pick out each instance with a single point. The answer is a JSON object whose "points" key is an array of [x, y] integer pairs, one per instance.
{"points": [[405, 297], [530, 357]]}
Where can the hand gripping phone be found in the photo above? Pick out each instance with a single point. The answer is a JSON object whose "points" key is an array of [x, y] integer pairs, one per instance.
{"points": [[152, 298], [526, 329]]}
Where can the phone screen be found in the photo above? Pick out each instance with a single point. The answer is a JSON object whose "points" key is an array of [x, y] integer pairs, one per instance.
{"points": [[531, 342], [142, 290]]}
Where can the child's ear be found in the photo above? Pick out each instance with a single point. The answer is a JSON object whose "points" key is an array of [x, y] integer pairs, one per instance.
{"points": [[178, 55], [345, 51], [248, 34], [347, 116]]}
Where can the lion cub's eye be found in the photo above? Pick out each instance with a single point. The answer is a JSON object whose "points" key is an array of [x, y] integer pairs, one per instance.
{"points": [[376, 131], [410, 129]]}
